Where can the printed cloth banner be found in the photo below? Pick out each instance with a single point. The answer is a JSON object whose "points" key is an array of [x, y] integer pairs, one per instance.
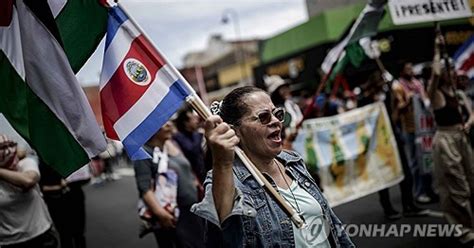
{"points": [[354, 153], [424, 132]]}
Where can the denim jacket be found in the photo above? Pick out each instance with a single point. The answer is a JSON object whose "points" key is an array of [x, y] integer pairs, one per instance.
{"points": [[256, 220]]}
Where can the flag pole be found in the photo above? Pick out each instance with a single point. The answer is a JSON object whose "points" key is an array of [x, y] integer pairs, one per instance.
{"points": [[308, 110], [203, 111]]}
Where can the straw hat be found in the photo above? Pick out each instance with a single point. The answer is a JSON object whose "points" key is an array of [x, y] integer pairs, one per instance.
{"points": [[273, 82]]}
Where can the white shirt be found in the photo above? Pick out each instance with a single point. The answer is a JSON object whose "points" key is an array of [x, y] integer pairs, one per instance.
{"points": [[23, 214], [316, 233]]}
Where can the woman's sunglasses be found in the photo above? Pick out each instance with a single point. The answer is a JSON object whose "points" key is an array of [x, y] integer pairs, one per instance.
{"points": [[265, 116]]}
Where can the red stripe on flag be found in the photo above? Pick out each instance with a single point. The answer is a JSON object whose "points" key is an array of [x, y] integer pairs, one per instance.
{"points": [[104, 3], [468, 63], [121, 93], [108, 124], [6, 12]]}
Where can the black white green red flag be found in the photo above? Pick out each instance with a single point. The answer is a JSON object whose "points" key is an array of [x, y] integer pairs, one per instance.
{"points": [[42, 44], [366, 25]]}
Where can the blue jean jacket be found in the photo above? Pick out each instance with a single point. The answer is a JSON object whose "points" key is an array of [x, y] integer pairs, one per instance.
{"points": [[256, 220]]}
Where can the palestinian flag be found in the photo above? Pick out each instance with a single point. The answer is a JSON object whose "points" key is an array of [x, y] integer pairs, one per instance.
{"points": [[39, 93], [354, 54], [366, 25]]}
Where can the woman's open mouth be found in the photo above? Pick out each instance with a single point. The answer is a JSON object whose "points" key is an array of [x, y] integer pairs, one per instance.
{"points": [[275, 136]]}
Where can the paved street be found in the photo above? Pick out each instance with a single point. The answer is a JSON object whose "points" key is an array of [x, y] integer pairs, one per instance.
{"points": [[112, 220]]}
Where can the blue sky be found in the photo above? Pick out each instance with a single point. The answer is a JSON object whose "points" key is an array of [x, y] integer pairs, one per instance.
{"points": [[180, 26]]}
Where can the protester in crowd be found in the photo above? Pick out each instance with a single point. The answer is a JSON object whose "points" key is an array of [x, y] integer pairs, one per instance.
{"points": [[425, 75], [190, 140], [350, 102], [280, 93], [452, 153], [97, 167], [328, 107], [185, 230], [465, 84], [238, 211], [377, 88], [404, 91], [66, 205], [111, 158], [339, 100], [24, 218]]}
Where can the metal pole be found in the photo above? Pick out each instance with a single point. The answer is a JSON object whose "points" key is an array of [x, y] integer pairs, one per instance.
{"points": [[240, 59], [309, 109], [444, 51], [201, 84]]}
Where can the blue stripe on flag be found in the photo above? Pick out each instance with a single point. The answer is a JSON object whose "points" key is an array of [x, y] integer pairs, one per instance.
{"points": [[463, 48], [166, 108], [116, 18]]}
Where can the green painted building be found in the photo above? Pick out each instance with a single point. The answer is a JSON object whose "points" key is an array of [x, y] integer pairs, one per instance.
{"points": [[298, 52]]}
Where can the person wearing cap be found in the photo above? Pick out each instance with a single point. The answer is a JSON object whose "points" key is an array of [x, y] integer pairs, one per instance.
{"points": [[280, 94], [25, 220]]}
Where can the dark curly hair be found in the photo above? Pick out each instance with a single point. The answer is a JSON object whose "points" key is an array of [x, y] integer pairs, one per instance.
{"points": [[182, 118], [232, 110]]}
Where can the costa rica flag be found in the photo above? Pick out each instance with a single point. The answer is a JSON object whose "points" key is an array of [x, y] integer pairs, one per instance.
{"points": [[139, 90], [464, 58]]}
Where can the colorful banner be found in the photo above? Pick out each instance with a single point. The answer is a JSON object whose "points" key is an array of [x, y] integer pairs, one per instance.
{"points": [[354, 153], [424, 133]]}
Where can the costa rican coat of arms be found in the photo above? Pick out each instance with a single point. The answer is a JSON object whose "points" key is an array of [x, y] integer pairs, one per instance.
{"points": [[136, 72]]}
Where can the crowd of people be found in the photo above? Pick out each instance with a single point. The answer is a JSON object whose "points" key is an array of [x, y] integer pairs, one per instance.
{"points": [[194, 192]]}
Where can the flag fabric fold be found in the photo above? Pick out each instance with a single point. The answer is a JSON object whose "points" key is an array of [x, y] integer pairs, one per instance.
{"points": [[354, 54], [139, 90], [464, 58], [366, 25], [82, 25], [39, 93]]}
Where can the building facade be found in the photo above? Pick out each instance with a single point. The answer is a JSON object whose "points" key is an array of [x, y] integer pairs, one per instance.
{"points": [[305, 46], [222, 66]]}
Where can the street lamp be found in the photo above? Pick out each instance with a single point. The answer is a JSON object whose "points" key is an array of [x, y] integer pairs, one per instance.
{"points": [[227, 16]]}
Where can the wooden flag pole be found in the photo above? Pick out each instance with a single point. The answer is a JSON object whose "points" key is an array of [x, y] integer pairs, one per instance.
{"points": [[309, 108], [203, 111]]}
